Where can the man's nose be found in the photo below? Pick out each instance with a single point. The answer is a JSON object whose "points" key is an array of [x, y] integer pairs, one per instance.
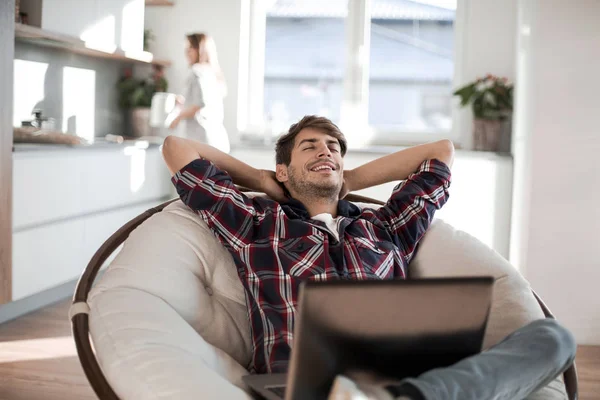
{"points": [[324, 152]]}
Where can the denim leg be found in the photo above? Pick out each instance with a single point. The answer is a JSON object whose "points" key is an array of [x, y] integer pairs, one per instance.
{"points": [[525, 361]]}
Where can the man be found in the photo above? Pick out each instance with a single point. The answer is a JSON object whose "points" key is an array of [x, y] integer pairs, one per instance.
{"points": [[307, 231]]}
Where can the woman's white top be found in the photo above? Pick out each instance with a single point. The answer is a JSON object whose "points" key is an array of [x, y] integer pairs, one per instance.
{"points": [[203, 89]]}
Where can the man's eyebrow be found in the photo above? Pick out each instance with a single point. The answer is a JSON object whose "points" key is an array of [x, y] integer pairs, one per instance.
{"points": [[314, 140]]}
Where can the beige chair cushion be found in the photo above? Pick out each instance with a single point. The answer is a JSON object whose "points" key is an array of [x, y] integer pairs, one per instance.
{"points": [[168, 318], [166, 305]]}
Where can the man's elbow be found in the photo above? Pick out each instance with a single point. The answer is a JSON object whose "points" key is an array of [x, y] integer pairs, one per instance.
{"points": [[170, 142], [171, 145], [445, 152], [170, 148]]}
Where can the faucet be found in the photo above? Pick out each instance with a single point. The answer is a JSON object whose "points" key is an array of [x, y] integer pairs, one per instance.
{"points": [[39, 119]]}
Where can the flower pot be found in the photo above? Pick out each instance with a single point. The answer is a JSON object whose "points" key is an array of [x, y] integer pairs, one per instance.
{"points": [[488, 134], [140, 121]]}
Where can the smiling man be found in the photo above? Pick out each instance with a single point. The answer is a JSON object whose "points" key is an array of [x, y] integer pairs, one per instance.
{"points": [[306, 231]]}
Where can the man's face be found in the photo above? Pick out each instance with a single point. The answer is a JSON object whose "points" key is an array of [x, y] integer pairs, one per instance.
{"points": [[316, 168]]}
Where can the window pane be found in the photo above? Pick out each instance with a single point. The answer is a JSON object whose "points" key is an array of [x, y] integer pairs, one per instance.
{"points": [[304, 59], [411, 67]]}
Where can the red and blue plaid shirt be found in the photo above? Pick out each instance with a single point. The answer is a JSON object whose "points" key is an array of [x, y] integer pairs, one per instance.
{"points": [[277, 246]]}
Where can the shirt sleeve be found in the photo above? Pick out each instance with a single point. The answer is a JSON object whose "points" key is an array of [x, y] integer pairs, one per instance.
{"points": [[211, 193], [195, 94], [409, 211]]}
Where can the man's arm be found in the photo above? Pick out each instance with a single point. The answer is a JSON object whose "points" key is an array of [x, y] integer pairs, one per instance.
{"points": [[179, 152], [398, 166], [425, 175], [187, 113], [190, 112]]}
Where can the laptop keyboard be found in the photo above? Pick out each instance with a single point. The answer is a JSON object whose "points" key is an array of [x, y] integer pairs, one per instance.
{"points": [[278, 390]]}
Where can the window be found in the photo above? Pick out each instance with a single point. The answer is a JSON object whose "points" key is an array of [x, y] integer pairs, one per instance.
{"points": [[382, 69], [411, 66], [304, 59]]}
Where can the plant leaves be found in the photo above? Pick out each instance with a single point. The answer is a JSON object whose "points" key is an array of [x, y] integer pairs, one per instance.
{"points": [[466, 93]]}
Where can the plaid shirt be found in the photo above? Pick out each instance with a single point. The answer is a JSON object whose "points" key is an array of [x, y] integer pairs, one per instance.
{"points": [[276, 246]]}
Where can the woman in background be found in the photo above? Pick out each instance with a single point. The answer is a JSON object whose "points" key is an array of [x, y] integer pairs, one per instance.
{"points": [[205, 88]]}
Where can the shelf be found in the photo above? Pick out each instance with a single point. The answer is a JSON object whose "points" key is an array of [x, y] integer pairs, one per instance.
{"points": [[46, 38], [151, 3]]}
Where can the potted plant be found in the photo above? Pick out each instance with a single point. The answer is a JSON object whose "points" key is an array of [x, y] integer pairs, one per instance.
{"points": [[135, 96], [491, 99], [148, 38]]}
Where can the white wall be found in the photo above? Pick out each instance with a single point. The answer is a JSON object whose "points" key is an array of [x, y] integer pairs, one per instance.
{"points": [[53, 81], [485, 43], [225, 21], [556, 219]]}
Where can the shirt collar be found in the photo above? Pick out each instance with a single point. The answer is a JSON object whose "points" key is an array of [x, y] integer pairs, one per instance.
{"points": [[295, 209]]}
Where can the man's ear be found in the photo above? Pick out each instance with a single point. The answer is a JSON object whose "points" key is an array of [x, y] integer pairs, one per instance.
{"points": [[281, 172]]}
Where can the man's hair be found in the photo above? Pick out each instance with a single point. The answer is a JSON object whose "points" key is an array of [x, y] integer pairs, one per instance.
{"points": [[285, 144]]}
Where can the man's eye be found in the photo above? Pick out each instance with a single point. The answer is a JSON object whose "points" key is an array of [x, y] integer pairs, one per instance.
{"points": [[335, 150], [309, 147]]}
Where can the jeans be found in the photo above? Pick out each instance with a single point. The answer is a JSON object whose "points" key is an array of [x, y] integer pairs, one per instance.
{"points": [[522, 363]]}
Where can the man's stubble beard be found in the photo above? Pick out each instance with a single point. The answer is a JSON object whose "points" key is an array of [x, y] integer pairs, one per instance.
{"points": [[315, 191]]}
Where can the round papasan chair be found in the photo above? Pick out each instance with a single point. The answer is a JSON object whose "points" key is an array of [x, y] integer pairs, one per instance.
{"points": [[167, 319]]}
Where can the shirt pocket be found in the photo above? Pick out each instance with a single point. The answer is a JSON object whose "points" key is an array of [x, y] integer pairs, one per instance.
{"points": [[302, 257], [377, 258]]}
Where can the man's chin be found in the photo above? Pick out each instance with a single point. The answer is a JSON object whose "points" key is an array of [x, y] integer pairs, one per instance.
{"points": [[323, 184], [325, 190]]}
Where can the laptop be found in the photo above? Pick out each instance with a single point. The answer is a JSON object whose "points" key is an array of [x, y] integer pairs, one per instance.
{"points": [[392, 329]]}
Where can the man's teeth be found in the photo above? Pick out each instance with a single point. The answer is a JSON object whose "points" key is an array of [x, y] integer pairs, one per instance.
{"points": [[327, 167]]}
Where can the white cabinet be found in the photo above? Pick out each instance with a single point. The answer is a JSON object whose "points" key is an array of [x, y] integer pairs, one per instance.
{"points": [[53, 254], [53, 185], [46, 257], [67, 202], [102, 24]]}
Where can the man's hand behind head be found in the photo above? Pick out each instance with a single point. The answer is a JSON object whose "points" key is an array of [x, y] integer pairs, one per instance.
{"points": [[345, 188], [271, 186]]}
